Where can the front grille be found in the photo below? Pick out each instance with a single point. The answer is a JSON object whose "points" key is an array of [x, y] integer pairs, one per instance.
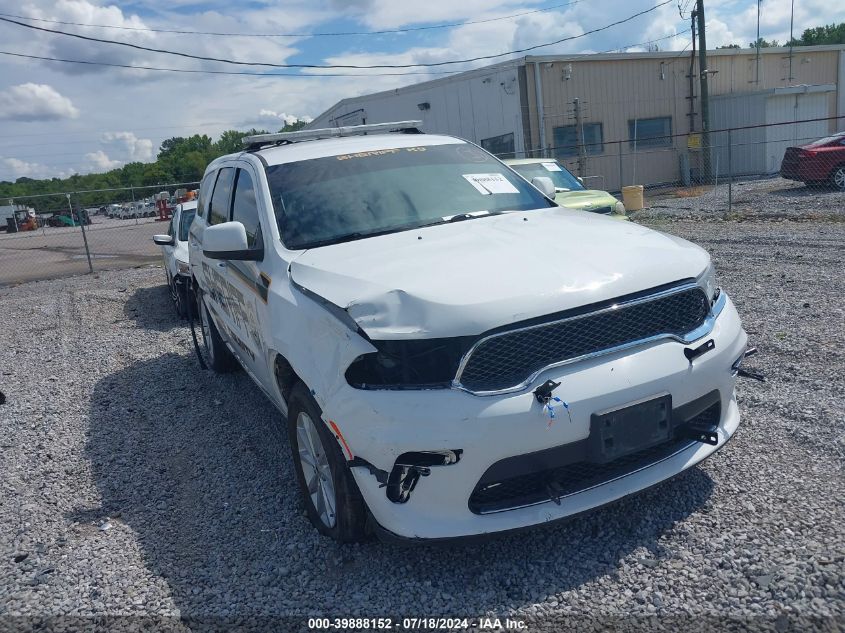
{"points": [[574, 474], [509, 359]]}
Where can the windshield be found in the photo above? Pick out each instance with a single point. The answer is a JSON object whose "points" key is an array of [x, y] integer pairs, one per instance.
{"points": [[338, 198], [185, 223], [563, 180]]}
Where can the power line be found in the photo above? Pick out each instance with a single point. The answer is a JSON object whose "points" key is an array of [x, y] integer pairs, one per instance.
{"points": [[328, 34], [228, 72], [270, 75], [352, 66]]}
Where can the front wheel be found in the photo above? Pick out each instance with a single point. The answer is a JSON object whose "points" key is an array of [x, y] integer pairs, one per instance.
{"points": [[837, 178], [214, 351], [332, 500], [179, 294]]}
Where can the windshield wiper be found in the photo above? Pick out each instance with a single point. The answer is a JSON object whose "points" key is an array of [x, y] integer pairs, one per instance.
{"points": [[446, 219], [348, 237]]}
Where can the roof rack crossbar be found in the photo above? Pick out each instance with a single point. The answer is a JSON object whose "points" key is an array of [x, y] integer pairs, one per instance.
{"points": [[259, 140]]}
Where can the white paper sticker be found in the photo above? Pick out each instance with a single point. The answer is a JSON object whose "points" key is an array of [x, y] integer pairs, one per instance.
{"points": [[490, 183], [551, 166]]}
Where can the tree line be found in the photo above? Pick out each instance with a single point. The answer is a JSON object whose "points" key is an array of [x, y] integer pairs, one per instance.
{"points": [[816, 36], [179, 159]]}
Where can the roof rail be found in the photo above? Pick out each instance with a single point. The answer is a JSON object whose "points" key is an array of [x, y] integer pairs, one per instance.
{"points": [[257, 141]]}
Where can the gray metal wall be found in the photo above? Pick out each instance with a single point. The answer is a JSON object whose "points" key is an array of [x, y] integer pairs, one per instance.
{"points": [[474, 106]]}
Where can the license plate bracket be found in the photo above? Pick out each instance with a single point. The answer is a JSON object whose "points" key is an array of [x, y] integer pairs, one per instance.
{"points": [[630, 429]]}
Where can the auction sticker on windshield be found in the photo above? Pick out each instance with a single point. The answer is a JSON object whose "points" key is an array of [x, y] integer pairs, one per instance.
{"points": [[551, 166], [490, 183]]}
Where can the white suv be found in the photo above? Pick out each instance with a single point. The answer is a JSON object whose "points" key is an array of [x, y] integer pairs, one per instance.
{"points": [[174, 249], [452, 353]]}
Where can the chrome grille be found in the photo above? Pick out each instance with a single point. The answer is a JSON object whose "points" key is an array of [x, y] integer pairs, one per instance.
{"points": [[505, 360]]}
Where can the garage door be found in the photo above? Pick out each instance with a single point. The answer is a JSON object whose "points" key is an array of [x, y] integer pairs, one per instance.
{"points": [[793, 107]]}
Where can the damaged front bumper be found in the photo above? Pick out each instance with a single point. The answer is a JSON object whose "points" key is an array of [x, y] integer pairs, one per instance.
{"points": [[427, 461]]}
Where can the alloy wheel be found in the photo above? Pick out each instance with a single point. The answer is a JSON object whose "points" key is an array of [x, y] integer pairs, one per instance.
{"points": [[839, 178], [316, 469], [205, 330]]}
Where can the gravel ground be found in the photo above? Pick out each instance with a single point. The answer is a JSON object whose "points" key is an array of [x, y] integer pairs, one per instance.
{"points": [[763, 199], [118, 499]]}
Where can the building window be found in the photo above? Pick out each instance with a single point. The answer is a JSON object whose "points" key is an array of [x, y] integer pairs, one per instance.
{"points": [[500, 146], [646, 133], [566, 139]]}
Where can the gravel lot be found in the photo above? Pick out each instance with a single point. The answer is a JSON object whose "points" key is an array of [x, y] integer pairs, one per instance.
{"points": [[52, 252], [120, 498], [762, 199]]}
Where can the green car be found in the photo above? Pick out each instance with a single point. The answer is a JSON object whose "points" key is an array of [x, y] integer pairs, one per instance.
{"points": [[569, 191]]}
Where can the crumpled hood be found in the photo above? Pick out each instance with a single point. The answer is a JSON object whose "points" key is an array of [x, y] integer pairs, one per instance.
{"points": [[588, 198], [468, 277]]}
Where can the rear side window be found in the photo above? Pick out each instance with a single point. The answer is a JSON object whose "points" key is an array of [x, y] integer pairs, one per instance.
{"points": [[205, 192], [219, 211], [245, 208]]}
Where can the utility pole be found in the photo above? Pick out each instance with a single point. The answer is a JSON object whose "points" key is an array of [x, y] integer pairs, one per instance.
{"points": [[691, 77], [791, 40], [757, 42], [705, 95], [579, 131]]}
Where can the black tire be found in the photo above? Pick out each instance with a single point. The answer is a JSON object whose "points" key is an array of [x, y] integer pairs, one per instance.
{"points": [[350, 511], [179, 294], [214, 351], [837, 177]]}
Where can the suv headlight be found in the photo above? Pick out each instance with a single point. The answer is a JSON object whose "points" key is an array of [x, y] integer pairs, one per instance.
{"points": [[409, 364], [707, 281], [183, 268]]}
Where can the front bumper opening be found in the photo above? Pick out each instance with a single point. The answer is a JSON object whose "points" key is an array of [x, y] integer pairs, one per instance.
{"points": [[551, 474]]}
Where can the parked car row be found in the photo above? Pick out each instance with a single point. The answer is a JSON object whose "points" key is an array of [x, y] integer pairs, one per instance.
{"points": [[143, 209], [453, 353]]}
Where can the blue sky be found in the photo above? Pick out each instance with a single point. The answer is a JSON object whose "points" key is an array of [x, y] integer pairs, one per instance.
{"points": [[57, 119]]}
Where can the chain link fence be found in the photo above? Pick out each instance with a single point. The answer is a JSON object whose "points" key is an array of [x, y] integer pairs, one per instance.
{"points": [[731, 173], [68, 233]]}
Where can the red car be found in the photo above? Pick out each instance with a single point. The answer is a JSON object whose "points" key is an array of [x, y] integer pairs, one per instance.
{"points": [[821, 161]]}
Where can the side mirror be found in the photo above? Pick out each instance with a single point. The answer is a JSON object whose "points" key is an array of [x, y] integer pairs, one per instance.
{"points": [[581, 180], [163, 240], [545, 185], [228, 241]]}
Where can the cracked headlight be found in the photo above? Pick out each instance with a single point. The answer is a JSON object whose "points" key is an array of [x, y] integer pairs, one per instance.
{"points": [[408, 364], [707, 281]]}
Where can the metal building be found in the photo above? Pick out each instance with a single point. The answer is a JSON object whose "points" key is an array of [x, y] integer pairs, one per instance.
{"points": [[626, 118]]}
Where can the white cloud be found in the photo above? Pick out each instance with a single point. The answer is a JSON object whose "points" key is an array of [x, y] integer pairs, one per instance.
{"points": [[13, 168], [134, 148], [100, 161], [35, 102], [386, 14], [152, 106], [272, 118]]}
